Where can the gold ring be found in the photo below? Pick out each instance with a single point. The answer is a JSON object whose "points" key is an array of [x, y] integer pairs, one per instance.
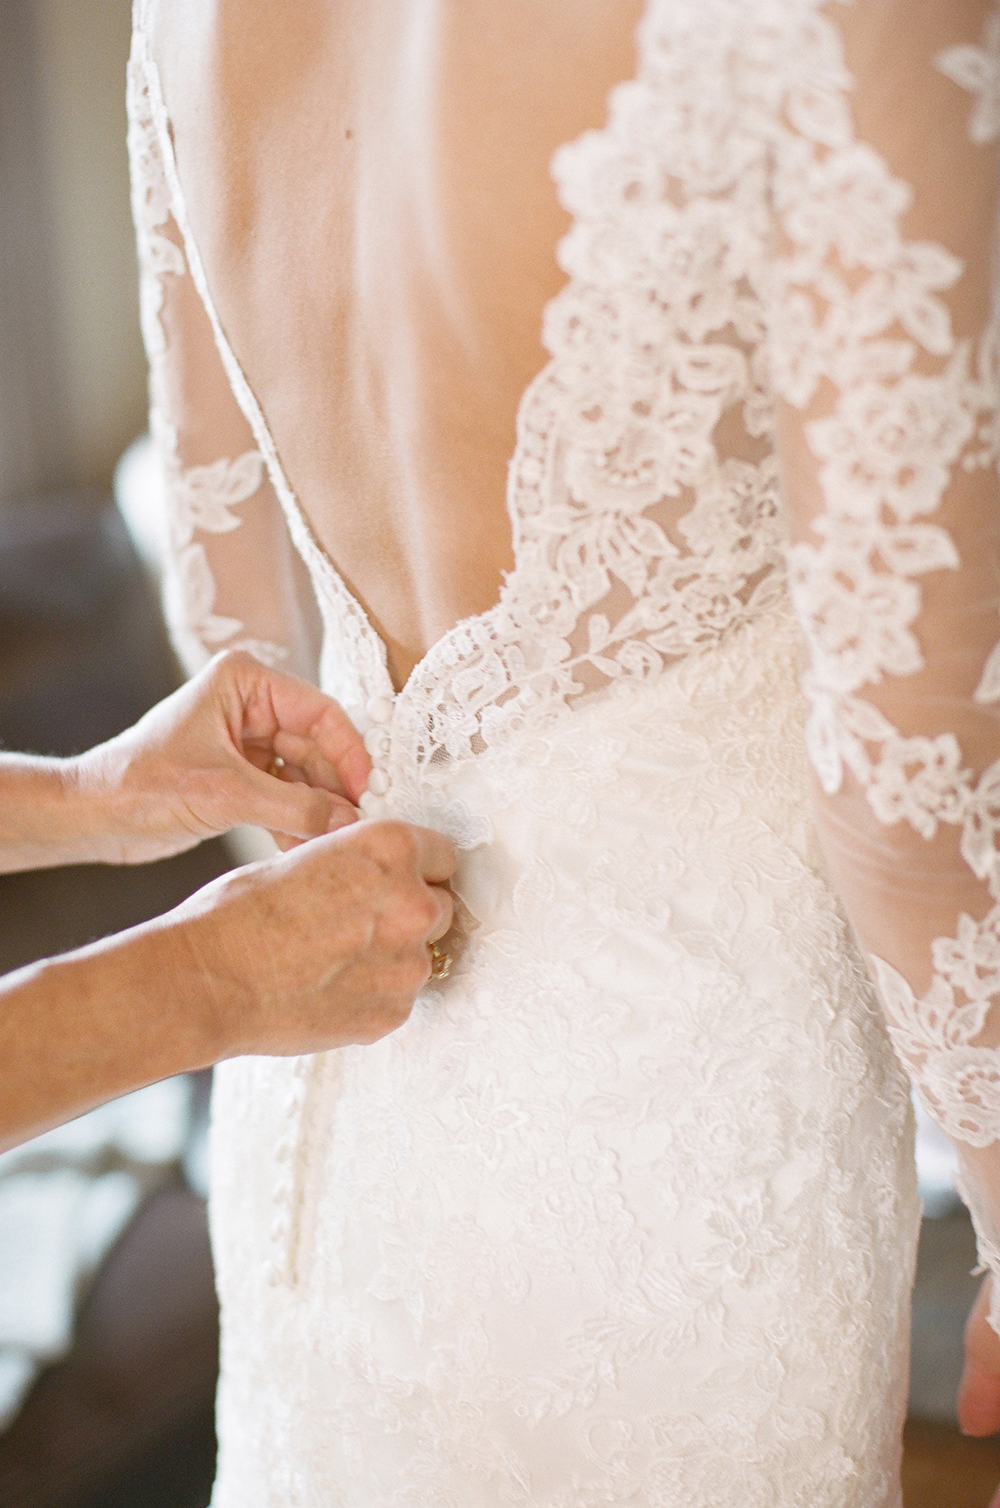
{"points": [[440, 962]]}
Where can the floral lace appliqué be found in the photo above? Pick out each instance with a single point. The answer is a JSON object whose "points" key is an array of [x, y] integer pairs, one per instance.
{"points": [[978, 70], [201, 497], [912, 407]]}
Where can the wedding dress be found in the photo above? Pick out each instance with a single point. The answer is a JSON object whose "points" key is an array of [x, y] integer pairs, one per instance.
{"points": [[626, 1213]]}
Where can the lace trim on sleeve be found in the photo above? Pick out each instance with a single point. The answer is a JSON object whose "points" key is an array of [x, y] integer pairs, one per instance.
{"points": [[200, 498], [977, 69], [859, 304]]}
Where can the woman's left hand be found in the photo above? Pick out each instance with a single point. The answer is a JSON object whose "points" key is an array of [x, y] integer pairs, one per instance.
{"points": [[239, 743]]}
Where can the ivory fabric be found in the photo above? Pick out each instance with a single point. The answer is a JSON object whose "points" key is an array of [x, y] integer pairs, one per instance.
{"points": [[626, 1213]]}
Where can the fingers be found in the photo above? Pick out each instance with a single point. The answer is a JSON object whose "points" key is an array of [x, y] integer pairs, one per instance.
{"points": [[446, 913], [419, 912], [395, 845], [304, 762], [434, 854], [415, 862], [329, 750], [978, 1400], [979, 1391], [267, 708], [342, 814], [292, 810]]}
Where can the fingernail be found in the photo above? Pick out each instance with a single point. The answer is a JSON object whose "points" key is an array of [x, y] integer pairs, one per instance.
{"points": [[342, 818]]}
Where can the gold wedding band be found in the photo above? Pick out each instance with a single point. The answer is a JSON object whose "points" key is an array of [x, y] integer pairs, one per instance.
{"points": [[440, 962], [277, 764]]}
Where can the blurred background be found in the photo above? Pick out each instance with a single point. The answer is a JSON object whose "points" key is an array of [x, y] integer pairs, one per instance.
{"points": [[108, 1326]]}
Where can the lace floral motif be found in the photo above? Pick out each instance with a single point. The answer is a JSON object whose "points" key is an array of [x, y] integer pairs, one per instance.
{"points": [[636, 541], [912, 405], [566, 1177], [604, 1196], [978, 70], [958, 1081], [201, 497]]}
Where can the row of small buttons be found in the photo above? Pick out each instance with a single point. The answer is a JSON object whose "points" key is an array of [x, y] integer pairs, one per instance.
{"points": [[280, 1269], [378, 742]]}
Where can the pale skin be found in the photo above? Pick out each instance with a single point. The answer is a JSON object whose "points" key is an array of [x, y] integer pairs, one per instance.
{"points": [[324, 946], [422, 204], [979, 1393]]}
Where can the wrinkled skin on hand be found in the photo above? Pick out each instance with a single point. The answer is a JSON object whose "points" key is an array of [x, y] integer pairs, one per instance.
{"points": [[324, 946], [316, 949], [320, 947], [204, 761]]}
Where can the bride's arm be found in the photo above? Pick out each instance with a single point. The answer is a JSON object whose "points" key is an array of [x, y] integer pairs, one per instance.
{"points": [[886, 355], [233, 580]]}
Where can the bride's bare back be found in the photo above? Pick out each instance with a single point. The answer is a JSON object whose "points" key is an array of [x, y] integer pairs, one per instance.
{"points": [[369, 188]]}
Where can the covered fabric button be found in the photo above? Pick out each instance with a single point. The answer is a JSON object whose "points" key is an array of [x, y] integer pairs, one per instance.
{"points": [[380, 709], [377, 741], [378, 782]]}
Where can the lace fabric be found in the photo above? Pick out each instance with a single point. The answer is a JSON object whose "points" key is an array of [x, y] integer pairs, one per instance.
{"points": [[773, 378], [204, 498], [582, 1229], [889, 366]]}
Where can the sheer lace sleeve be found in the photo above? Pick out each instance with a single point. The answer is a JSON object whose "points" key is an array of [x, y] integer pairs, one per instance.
{"points": [[233, 579], [885, 356]]}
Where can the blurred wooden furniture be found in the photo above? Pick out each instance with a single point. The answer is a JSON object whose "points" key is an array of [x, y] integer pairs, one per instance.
{"points": [[941, 1469], [127, 1420]]}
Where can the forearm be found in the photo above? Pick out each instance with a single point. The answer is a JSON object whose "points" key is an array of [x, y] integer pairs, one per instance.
{"points": [[48, 815], [81, 1029]]}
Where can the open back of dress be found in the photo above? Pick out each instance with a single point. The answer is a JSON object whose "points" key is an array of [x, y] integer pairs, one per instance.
{"points": [[626, 1213]]}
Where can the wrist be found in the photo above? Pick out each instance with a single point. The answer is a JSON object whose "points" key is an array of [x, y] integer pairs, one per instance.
{"points": [[179, 1011], [49, 813], [87, 1026], [207, 962]]}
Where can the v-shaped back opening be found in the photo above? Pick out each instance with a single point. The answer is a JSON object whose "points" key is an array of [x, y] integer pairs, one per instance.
{"points": [[644, 494], [328, 578]]}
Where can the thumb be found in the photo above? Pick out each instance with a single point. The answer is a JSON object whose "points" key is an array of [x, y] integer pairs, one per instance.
{"points": [[288, 808], [342, 816]]}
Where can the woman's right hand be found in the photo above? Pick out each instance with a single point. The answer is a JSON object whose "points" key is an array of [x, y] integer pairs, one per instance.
{"points": [[979, 1392], [317, 948]]}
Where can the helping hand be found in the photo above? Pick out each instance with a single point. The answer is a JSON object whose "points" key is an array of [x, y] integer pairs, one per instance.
{"points": [[238, 744], [319, 948]]}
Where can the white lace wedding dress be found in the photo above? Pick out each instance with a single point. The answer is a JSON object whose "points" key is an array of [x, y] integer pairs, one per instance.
{"points": [[626, 1213]]}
